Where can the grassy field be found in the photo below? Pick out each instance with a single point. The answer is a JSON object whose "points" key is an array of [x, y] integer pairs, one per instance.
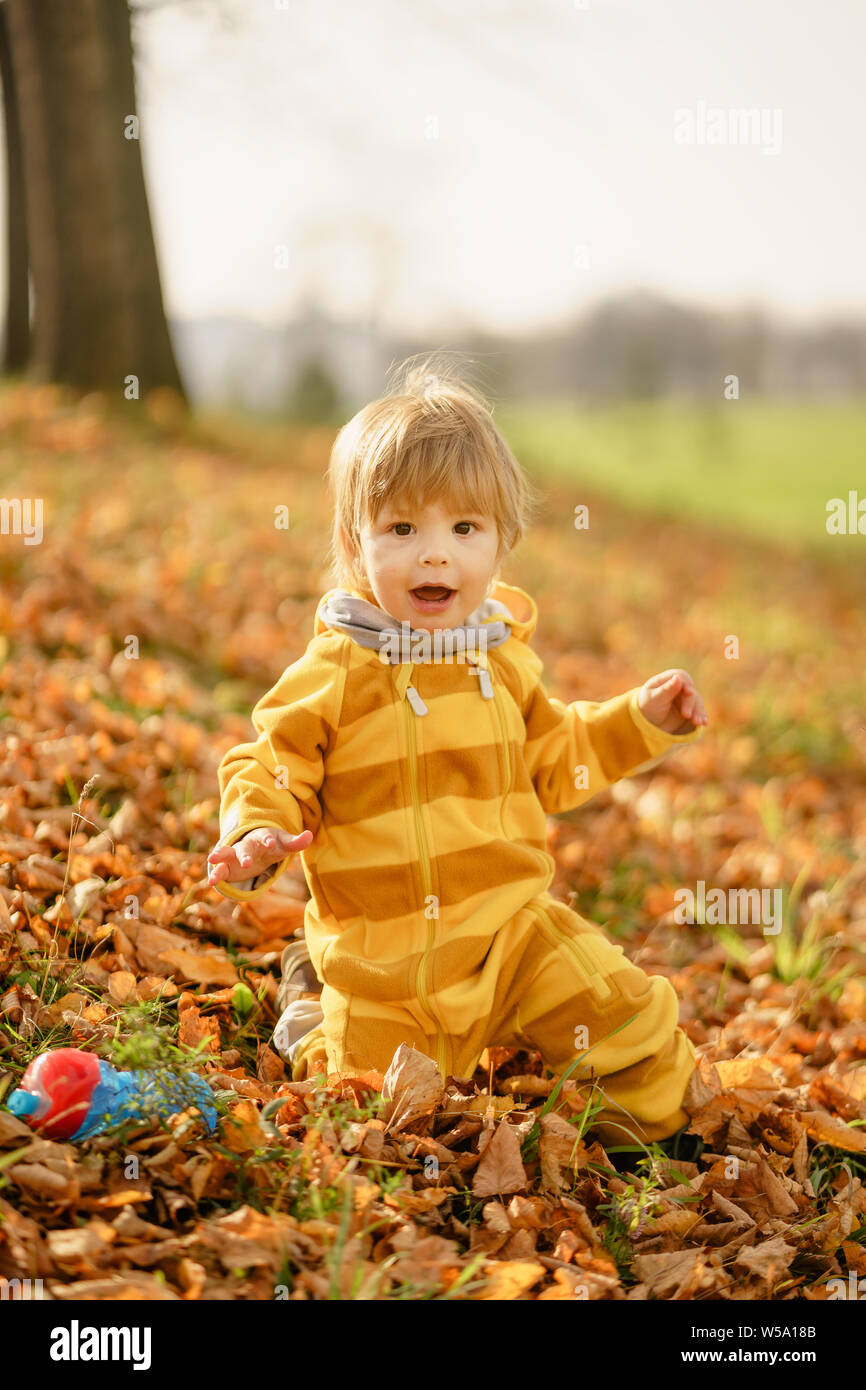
{"points": [[760, 469]]}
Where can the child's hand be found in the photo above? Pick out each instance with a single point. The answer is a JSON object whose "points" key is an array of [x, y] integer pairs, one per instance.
{"points": [[253, 854], [670, 701]]}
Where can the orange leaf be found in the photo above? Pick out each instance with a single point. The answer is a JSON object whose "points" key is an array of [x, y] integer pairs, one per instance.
{"points": [[122, 986], [201, 968]]}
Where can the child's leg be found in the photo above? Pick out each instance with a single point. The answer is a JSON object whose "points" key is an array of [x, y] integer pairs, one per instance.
{"points": [[363, 1034], [311, 1055], [579, 989], [298, 1036]]}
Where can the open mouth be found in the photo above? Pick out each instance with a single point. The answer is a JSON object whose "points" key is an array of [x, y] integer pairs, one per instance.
{"points": [[432, 598]]}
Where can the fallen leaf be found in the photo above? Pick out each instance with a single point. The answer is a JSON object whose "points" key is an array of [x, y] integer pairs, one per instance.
{"points": [[131, 1286], [122, 986], [201, 967], [500, 1168], [414, 1087], [827, 1129], [509, 1280], [197, 1031], [769, 1260]]}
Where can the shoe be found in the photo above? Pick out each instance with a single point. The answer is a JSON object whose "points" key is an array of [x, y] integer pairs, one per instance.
{"points": [[298, 1004], [299, 979]]}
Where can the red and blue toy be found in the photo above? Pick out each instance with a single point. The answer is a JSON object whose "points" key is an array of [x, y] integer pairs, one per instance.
{"points": [[70, 1094]]}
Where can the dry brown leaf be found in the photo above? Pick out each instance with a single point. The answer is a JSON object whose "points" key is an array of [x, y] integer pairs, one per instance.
{"points": [[130, 1227], [74, 1003], [270, 1068], [769, 1260], [567, 1284], [38, 1180], [533, 1213], [246, 1238], [150, 943], [430, 1261], [274, 914], [521, 1246], [495, 1218], [192, 1277], [13, 1130], [747, 1073], [414, 1087], [240, 1129], [203, 968], [509, 1279], [827, 1129], [156, 987], [122, 986], [82, 895], [421, 1201], [80, 1251], [680, 1274], [197, 1031], [500, 1168], [730, 1209], [131, 1286], [526, 1086], [559, 1148]]}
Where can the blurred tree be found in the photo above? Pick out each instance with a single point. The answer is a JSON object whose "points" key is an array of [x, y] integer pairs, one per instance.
{"points": [[98, 312], [314, 397], [643, 370], [17, 336]]}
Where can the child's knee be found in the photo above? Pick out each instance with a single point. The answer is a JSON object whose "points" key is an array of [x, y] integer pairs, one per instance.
{"points": [[310, 1056]]}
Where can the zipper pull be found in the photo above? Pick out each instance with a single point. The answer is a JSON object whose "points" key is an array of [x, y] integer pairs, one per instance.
{"points": [[415, 700], [484, 680]]}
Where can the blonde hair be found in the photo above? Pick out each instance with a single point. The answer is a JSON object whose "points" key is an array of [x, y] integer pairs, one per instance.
{"points": [[432, 435]]}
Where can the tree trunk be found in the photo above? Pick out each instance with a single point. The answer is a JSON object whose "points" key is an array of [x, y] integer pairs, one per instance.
{"points": [[98, 312], [17, 339]]}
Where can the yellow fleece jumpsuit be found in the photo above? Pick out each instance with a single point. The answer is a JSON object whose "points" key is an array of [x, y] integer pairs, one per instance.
{"points": [[429, 920]]}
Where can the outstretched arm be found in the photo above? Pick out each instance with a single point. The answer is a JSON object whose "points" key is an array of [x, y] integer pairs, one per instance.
{"points": [[272, 782], [573, 751]]}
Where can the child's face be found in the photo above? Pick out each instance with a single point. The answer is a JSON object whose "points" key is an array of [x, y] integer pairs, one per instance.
{"points": [[409, 546]]}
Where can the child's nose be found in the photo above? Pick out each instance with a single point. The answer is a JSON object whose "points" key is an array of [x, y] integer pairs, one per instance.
{"points": [[433, 552]]}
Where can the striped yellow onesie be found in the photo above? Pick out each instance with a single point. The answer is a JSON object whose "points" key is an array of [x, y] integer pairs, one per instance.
{"points": [[426, 784]]}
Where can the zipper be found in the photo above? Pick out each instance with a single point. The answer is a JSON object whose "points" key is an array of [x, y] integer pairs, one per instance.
{"points": [[427, 878], [491, 691], [505, 739], [602, 989]]}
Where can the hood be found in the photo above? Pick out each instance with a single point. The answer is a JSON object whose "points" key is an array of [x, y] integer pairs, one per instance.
{"points": [[506, 612]]}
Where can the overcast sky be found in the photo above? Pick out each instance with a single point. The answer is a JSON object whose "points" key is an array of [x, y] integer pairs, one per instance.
{"points": [[501, 164]]}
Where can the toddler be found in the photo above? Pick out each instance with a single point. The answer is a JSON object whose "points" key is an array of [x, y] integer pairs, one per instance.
{"points": [[412, 755]]}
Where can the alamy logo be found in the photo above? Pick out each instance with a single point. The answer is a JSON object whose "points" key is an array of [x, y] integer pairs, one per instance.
{"points": [[20, 1290], [443, 644], [22, 516], [731, 125], [855, 1288], [847, 518], [719, 908], [76, 1343]]}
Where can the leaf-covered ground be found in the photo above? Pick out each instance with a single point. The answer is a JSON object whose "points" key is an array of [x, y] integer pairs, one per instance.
{"points": [[161, 602]]}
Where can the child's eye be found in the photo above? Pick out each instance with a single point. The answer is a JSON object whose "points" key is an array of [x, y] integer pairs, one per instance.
{"points": [[395, 525]]}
